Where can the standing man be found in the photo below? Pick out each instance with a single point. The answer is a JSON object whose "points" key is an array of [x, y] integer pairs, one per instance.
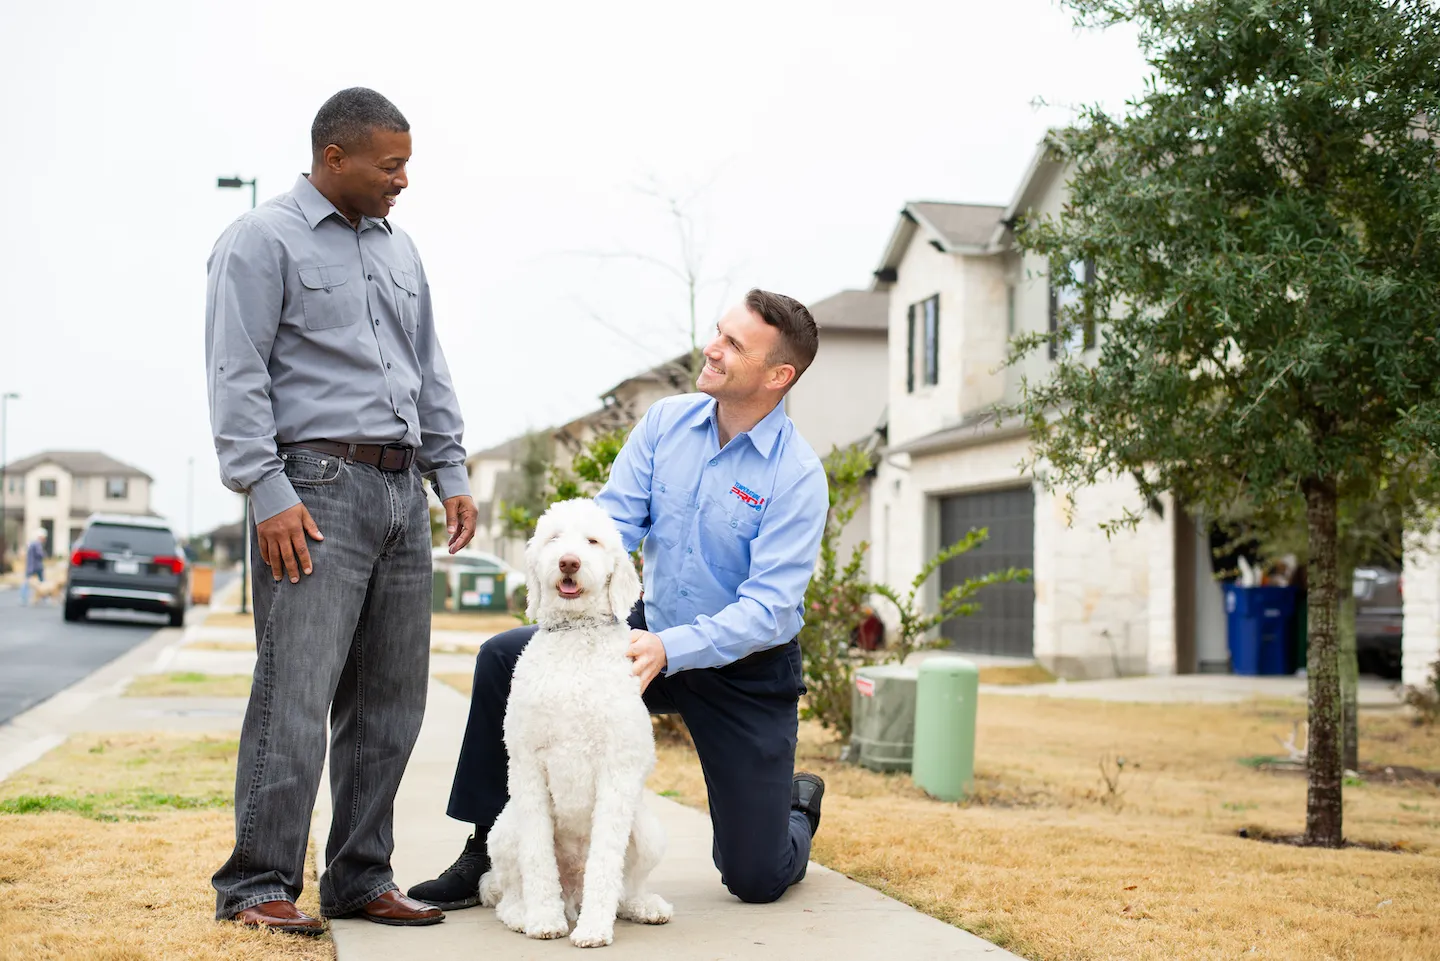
{"points": [[34, 564], [329, 398], [730, 503]]}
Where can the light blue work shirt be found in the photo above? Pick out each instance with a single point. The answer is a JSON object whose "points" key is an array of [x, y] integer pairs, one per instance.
{"points": [[731, 536]]}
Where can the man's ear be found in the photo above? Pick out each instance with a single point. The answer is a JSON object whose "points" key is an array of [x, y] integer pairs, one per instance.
{"points": [[624, 587]]}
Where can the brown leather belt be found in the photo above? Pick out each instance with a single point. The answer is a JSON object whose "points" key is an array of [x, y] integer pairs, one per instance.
{"points": [[387, 457]]}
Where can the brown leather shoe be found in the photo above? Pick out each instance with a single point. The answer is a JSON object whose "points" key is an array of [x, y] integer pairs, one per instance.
{"points": [[280, 915], [392, 907]]}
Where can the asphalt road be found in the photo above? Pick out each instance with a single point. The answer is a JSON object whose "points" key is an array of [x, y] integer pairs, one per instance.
{"points": [[41, 655]]}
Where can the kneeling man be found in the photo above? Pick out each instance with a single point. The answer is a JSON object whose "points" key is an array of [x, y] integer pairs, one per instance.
{"points": [[730, 502]]}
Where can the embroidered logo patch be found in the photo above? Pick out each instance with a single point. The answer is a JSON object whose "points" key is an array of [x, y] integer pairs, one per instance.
{"points": [[748, 496]]}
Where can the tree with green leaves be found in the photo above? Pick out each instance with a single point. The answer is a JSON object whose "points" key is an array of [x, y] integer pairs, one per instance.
{"points": [[1262, 227]]}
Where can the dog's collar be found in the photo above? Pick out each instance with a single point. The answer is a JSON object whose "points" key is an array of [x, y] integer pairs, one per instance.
{"points": [[566, 623]]}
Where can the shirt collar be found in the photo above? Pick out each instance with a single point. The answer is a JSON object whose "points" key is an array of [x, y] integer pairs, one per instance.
{"points": [[317, 207], [762, 436]]}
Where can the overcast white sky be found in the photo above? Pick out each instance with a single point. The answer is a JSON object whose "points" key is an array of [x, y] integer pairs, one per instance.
{"points": [[813, 122]]}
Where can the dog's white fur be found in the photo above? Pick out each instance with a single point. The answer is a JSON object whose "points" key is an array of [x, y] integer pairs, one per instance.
{"points": [[576, 841]]}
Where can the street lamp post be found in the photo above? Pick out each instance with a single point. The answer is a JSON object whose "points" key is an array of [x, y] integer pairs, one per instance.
{"points": [[5, 399], [236, 182]]}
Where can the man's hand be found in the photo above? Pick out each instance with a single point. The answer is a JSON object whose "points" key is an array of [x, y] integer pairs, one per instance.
{"points": [[460, 517], [282, 542], [648, 653]]}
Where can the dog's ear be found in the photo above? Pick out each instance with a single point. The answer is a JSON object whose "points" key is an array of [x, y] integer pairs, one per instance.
{"points": [[532, 578], [624, 586]]}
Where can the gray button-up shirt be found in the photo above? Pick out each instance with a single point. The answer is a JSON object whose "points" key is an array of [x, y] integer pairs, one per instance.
{"points": [[315, 330]]}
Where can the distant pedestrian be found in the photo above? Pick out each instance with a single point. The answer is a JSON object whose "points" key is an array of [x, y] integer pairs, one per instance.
{"points": [[329, 399], [34, 564]]}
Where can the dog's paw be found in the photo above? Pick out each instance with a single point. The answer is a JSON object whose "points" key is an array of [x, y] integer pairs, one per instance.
{"points": [[593, 935], [490, 891], [547, 922], [511, 913], [646, 909]]}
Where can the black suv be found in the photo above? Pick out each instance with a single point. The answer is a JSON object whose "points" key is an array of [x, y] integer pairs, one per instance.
{"points": [[130, 563]]}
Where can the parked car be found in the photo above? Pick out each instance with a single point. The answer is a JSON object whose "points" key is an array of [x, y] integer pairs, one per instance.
{"points": [[1379, 620], [130, 563]]}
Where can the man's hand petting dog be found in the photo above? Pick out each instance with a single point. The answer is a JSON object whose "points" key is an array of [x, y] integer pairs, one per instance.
{"points": [[648, 653], [460, 517]]}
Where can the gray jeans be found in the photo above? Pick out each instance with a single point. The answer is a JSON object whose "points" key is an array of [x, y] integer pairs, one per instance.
{"points": [[352, 640]]}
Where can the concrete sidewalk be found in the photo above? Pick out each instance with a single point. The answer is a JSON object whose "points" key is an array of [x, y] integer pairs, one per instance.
{"points": [[827, 916], [1372, 692]]}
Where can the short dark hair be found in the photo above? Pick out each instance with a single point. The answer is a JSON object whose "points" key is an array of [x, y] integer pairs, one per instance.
{"points": [[347, 118], [799, 336]]}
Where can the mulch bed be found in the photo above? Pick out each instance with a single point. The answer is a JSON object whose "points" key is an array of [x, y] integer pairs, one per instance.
{"points": [[1298, 840]]}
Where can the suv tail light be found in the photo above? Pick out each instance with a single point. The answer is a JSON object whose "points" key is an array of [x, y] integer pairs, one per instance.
{"points": [[82, 555], [175, 565]]}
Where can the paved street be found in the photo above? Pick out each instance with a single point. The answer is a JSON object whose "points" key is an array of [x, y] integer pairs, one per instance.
{"points": [[40, 654]]}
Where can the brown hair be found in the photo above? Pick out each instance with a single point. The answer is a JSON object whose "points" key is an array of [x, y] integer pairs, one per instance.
{"points": [[799, 337]]}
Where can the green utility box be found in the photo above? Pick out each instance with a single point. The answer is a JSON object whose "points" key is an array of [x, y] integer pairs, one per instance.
{"points": [[481, 592], [439, 590], [946, 696], [883, 705]]}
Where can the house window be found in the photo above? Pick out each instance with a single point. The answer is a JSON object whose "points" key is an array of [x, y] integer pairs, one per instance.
{"points": [[1010, 310], [47, 488], [117, 489], [1068, 298], [923, 343]]}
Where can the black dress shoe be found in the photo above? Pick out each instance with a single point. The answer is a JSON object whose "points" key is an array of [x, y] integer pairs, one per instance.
{"points": [[805, 795], [459, 885]]}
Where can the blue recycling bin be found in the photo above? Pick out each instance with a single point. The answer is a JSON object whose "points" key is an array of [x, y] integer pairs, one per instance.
{"points": [[1258, 623]]}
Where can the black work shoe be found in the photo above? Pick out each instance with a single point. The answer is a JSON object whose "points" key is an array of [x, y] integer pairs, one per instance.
{"points": [[459, 886], [805, 795]]}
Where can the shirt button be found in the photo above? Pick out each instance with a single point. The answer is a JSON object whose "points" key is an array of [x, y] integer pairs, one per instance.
{"points": [[734, 524], [713, 463], [369, 277], [397, 411], [684, 593], [689, 550], [387, 365], [377, 321]]}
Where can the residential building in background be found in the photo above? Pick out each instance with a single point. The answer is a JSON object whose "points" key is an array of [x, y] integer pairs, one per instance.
{"points": [[1141, 601], [58, 490]]}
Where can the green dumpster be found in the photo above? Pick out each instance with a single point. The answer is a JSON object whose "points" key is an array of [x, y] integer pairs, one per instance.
{"points": [[439, 590], [883, 704], [946, 696], [481, 592]]}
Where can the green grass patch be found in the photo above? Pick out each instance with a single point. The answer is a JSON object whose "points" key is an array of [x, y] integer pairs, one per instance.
{"points": [[189, 684]]}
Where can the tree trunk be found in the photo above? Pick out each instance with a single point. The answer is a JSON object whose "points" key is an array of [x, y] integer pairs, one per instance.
{"points": [[1323, 815], [1349, 679]]}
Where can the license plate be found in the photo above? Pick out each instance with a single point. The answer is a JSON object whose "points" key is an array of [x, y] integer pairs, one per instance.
{"points": [[127, 567]]}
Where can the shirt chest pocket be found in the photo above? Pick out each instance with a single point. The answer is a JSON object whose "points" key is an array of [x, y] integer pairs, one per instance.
{"points": [[323, 296], [726, 535], [669, 513], [407, 298]]}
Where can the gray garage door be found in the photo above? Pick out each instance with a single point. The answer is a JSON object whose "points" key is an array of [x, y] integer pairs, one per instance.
{"points": [[1005, 623]]}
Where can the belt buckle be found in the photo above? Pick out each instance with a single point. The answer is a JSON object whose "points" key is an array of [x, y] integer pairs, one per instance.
{"points": [[406, 454]]}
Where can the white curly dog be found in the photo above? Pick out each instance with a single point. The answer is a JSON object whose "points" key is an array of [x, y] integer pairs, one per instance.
{"points": [[576, 841]]}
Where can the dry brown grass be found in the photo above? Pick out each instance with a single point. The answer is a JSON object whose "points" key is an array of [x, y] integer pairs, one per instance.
{"points": [[246, 646], [189, 684], [463, 683], [1049, 863], [439, 621], [116, 865], [1020, 674]]}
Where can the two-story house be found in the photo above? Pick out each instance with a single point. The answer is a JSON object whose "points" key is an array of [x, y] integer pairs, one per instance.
{"points": [[58, 490], [1140, 601], [840, 400]]}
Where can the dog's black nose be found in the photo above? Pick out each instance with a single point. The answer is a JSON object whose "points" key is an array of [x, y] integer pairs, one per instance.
{"points": [[569, 564]]}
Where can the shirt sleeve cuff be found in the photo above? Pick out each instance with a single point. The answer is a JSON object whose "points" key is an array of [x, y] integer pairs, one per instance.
{"points": [[271, 496], [452, 481], [682, 648]]}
